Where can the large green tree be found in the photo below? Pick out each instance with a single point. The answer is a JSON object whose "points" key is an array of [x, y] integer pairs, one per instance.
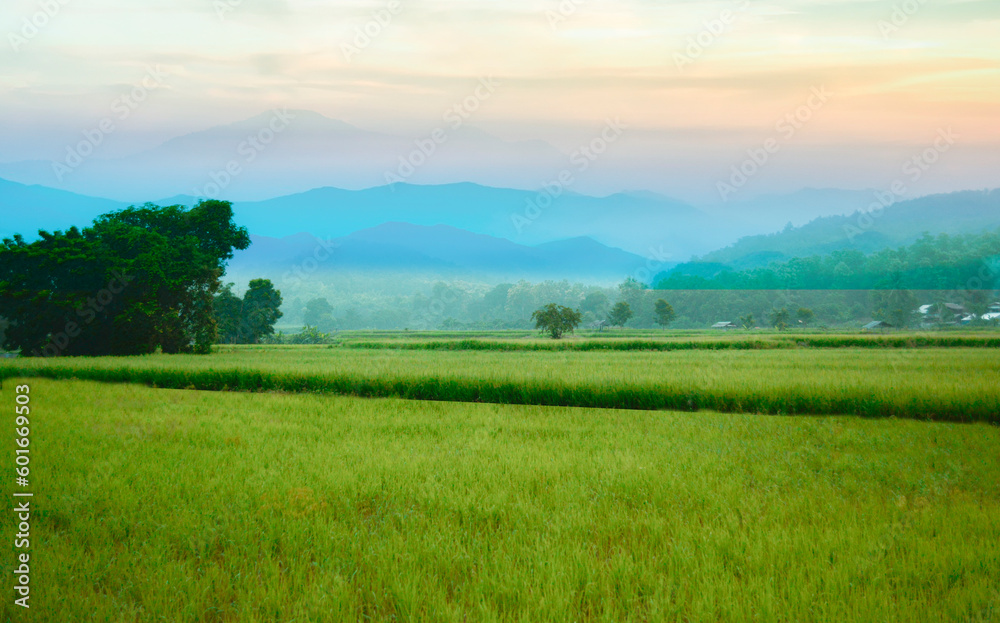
{"points": [[250, 319], [137, 279], [261, 307], [228, 309]]}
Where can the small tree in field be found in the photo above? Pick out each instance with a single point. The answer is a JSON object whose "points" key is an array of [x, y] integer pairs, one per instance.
{"points": [[664, 313], [556, 320], [620, 314], [780, 318], [805, 316]]}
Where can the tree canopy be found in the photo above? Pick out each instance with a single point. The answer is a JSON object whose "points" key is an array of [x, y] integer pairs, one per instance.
{"points": [[556, 320], [665, 313], [319, 313], [250, 319], [941, 262], [135, 280], [780, 318], [620, 314]]}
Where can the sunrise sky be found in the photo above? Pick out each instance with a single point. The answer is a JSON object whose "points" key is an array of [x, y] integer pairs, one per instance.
{"points": [[895, 79]]}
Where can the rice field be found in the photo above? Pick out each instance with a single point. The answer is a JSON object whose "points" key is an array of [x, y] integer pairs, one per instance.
{"points": [[659, 339], [953, 384], [166, 505], [702, 342]]}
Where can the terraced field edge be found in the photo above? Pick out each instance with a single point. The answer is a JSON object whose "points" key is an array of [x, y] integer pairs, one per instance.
{"points": [[782, 401]]}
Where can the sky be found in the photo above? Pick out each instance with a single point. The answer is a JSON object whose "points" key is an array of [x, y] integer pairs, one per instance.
{"points": [[835, 93]]}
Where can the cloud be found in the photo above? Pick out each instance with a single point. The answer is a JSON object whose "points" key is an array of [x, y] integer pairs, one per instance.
{"points": [[607, 57]]}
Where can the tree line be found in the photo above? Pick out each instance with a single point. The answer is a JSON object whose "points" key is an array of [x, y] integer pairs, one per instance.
{"points": [[463, 306], [557, 320], [941, 262]]}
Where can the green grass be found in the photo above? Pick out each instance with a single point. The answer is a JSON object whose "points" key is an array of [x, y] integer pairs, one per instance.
{"points": [[158, 505], [618, 333], [957, 384], [730, 342]]}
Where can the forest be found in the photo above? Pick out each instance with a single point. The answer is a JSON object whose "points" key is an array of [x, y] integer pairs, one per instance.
{"points": [[941, 262]]}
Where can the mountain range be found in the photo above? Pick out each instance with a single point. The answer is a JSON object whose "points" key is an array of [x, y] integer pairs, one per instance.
{"points": [[440, 249], [296, 157], [643, 223], [288, 151], [466, 227]]}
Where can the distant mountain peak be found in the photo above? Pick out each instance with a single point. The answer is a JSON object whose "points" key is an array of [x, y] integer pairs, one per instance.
{"points": [[293, 117], [577, 241], [404, 227]]}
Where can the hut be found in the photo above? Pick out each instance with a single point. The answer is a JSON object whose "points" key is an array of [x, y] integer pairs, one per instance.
{"points": [[876, 325]]}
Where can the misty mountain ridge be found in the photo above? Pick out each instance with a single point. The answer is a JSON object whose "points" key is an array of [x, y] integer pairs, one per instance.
{"points": [[899, 224], [289, 151], [328, 177], [283, 152], [444, 220], [770, 212], [441, 249], [634, 222], [620, 220]]}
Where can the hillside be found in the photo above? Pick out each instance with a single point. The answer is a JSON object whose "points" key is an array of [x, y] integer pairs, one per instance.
{"points": [[899, 224], [943, 262]]}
